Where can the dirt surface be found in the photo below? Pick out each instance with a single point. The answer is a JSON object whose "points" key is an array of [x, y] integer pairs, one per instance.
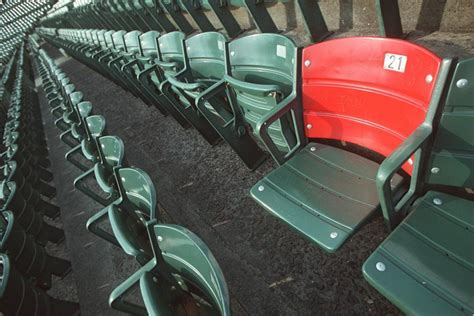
{"points": [[269, 269]]}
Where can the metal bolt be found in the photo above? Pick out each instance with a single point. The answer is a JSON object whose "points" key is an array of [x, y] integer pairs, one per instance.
{"points": [[429, 78], [410, 161], [434, 170], [461, 83], [232, 53], [160, 239], [261, 188], [380, 266], [313, 148], [333, 235], [189, 48], [309, 126], [307, 63], [437, 201]]}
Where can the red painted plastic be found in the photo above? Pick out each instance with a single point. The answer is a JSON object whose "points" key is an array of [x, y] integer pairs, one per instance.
{"points": [[349, 96]]}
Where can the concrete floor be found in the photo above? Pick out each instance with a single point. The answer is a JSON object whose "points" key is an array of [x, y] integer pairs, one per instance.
{"points": [[269, 269]]}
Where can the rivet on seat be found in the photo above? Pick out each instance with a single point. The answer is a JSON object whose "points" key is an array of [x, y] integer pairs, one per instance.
{"points": [[429, 78], [437, 201], [333, 235], [309, 126], [434, 170], [461, 83], [307, 63], [261, 188], [380, 266], [160, 239], [313, 148]]}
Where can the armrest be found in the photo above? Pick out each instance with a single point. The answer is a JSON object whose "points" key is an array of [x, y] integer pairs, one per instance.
{"points": [[102, 55], [216, 88], [117, 299], [253, 88], [186, 86], [290, 103], [166, 65], [392, 165], [129, 64], [114, 60]]}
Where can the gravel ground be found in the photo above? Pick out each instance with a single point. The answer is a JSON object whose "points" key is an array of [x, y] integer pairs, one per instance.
{"points": [[269, 269]]}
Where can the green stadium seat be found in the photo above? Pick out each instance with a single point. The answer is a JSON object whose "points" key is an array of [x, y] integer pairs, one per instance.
{"points": [[111, 152], [204, 66], [262, 77], [151, 76], [425, 266], [182, 276], [128, 213]]}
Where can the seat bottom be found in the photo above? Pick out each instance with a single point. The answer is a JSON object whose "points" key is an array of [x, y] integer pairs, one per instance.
{"points": [[324, 193], [426, 266]]}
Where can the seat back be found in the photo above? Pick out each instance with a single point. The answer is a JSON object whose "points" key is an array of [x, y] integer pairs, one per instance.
{"points": [[111, 150], [108, 41], [265, 60], [129, 214], [452, 158], [118, 40], [95, 126], [132, 42], [368, 91], [136, 186], [191, 261], [149, 44], [206, 55], [170, 48]]}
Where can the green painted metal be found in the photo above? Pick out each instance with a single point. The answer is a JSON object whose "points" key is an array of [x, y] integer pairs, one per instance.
{"points": [[425, 266], [203, 55], [324, 193], [144, 61], [20, 297], [94, 127], [29, 258], [261, 88], [111, 151], [112, 155], [388, 14], [128, 214], [416, 144], [152, 75], [182, 274], [452, 158]]}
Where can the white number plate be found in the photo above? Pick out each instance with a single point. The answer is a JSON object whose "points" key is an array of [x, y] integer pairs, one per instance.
{"points": [[395, 62]]}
